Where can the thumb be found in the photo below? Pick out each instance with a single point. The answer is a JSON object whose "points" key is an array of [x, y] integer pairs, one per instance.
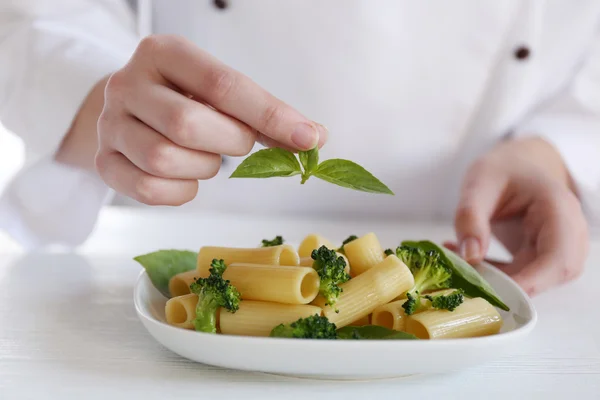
{"points": [[481, 191]]}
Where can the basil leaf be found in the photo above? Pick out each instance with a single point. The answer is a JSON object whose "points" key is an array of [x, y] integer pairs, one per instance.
{"points": [[268, 163], [162, 265], [309, 160], [351, 175], [372, 332], [464, 276]]}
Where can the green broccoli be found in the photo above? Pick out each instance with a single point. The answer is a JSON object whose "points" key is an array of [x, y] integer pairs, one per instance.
{"points": [[213, 292], [447, 302], [217, 267], [411, 305], [277, 241], [388, 252], [345, 242], [332, 273], [313, 327], [428, 270]]}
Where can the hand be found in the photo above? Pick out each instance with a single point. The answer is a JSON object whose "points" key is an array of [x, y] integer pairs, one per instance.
{"points": [[171, 113], [522, 192]]}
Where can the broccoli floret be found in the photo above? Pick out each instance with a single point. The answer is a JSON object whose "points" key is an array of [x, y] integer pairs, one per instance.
{"points": [[411, 304], [313, 327], [213, 292], [277, 241], [332, 273], [428, 270], [217, 267], [447, 302], [345, 242], [388, 252]]}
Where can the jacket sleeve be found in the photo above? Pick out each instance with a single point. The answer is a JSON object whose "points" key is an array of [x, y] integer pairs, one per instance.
{"points": [[570, 120], [51, 55]]}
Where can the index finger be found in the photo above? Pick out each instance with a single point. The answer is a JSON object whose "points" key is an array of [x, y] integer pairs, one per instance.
{"points": [[194, 71]]}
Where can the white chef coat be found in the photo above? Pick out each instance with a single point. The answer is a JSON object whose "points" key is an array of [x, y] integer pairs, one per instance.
{"points": [[413, 91]]}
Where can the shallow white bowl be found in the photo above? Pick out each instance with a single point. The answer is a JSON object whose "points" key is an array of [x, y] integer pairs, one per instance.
{"points": [[342, 359]]}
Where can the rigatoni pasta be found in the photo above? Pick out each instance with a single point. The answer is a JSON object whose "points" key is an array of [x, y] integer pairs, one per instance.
{"points": [[362, 294], [257, 318], [277, 291], [475, 317], [275, 255], [180, 311], [392, 315], [313, 242], [364, 253], [180, 283], [279, 284]]}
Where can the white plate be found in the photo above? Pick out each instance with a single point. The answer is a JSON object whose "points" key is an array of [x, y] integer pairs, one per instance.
{"points": [[342, 359]]}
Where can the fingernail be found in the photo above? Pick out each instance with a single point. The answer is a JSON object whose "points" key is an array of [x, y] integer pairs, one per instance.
{"points": [[305, 136], [323, 133], [470, 249]]}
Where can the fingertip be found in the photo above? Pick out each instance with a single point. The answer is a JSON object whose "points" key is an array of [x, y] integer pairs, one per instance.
{"points": [[323, 135], [305, 136], [471, 250]]}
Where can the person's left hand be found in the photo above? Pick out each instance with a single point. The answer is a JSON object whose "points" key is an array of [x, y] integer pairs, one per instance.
{"points": [[522, 193]]}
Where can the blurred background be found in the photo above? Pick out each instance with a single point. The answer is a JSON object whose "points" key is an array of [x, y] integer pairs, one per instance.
{"points": [[12, 155]]}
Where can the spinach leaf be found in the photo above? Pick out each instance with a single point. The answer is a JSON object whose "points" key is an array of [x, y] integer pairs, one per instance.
{"points": [[351, 175], [464, 276], [162, 265], [372, 332], [268, 163]]}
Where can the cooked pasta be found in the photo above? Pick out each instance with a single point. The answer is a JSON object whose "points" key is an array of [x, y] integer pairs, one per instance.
{"points": [[276, 290], [392, 315], [280, 284], [362, 321], [257, 318], [275, 255], [362, 294], [180, 311], [313, 242], [364, 253], [474, 317], [180, 283]]}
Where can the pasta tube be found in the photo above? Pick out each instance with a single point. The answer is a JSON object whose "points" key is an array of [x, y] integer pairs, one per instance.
{"points": [[362, 321], [361, 295], [180, 283], [274, 255], [364, 253], [392, 315], [279, 284], [474, 317], [313, 242], [258, 318], [180, 311]]}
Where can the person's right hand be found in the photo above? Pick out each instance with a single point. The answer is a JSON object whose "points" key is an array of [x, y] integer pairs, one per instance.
{"points": [[171, 113]]}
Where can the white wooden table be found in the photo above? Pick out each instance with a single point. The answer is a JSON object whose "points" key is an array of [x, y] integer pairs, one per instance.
{"points": [[68, 328]]}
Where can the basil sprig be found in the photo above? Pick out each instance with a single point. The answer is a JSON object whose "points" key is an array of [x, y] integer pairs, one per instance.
{"points": [[277, 162]]}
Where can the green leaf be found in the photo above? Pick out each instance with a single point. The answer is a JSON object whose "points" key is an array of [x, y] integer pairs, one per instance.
{"points": [[373, 332], [351, 175], [309, 160], [464, 276], [268, 163], [162, 265]]}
